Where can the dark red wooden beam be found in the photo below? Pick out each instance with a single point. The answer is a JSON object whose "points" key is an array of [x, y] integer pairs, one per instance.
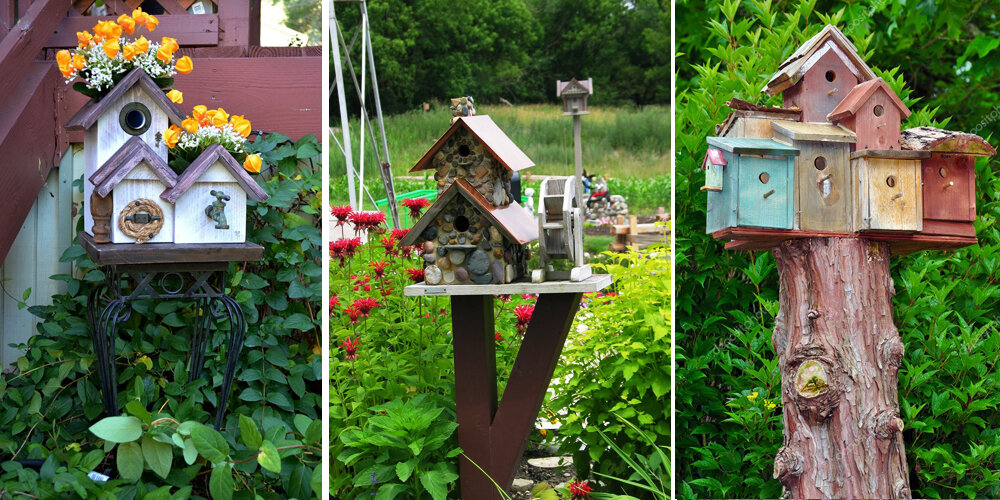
{"points": [[189, 29], [25, 41], [27, 146], [493, 435]]}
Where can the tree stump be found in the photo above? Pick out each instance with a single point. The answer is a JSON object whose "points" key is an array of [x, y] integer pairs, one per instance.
{"points": [[839, 354]]}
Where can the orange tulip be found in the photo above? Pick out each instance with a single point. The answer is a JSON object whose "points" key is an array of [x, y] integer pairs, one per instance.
{"points": [[252, 163], [184, 65], [190, 124], [127, 24], [241, 125], [84, 37], [171, 136], [79, 62], [176, 96], [151, 22], [220, 118], [164, 54], [171, 43], [139, 16], [128, 52], [141, 45], [108, 29], [111, 48], [64, 61], [199, 112]]}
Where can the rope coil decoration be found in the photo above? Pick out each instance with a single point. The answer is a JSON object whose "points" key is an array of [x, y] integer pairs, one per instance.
{"points": [[141, 219]]}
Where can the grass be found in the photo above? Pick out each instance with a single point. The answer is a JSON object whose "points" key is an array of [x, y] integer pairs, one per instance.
{"points": [[630, 145]]}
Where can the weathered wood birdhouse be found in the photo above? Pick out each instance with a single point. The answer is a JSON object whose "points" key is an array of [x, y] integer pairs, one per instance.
{"points": [[949, 177], [822, 173], [474, 233], [574, 94], [135, 107], [819, 74], [874, 112], [887, 190], [758, 184], [210, 199], [126, 190], [752, 120]]}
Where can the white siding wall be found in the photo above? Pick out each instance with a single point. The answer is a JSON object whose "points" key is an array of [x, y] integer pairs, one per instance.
{"points": [[34, 256]]}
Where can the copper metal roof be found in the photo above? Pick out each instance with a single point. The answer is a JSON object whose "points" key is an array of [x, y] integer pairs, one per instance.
{"points": [[493, 139]]}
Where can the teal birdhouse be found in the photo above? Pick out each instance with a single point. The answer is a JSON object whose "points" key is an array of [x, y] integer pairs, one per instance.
{"points": [[758, 185]]}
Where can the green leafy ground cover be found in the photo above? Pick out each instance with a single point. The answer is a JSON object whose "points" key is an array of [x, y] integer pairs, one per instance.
{"points": [[161, 447], [392, 380], [728, 394]]}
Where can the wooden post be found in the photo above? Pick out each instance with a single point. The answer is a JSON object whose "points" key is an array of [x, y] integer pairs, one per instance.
{"points": [[578, 163], [839, 354], [494, 435]]}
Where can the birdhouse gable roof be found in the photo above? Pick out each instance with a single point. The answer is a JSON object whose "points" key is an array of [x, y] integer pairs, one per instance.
{"points": [[945, 141], [197, 168], [817, 132], [87, 116], [575, 87], [134, 152], [494, 140], [860, 94], [513, 221], [740, 145], [828, 39], [713, 157]]}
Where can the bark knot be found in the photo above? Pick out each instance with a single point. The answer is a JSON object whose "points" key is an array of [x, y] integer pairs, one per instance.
{"points": [[787, 466], [887, 424]]}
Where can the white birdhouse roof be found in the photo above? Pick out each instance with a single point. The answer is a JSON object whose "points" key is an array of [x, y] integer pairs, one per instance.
{"points": [[211, 155], [87, 116], [134, 152]]}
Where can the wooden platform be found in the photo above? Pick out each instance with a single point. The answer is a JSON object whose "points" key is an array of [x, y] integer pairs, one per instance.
{"points": [[746, 238], [107, 254], [592, 284]]}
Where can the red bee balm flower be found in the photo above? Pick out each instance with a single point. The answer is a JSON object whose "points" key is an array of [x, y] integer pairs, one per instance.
{"points": [[367, 221], [378, 267], [579, 489], [344, 248], [365, 305], [342, 213], [334, 301], [350, 348], [389, 244], [416, 205], [398, 234], [417, 275], [352, 312], [523, 313]]}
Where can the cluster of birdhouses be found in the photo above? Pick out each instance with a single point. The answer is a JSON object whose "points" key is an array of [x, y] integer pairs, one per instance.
{"points": [[131, 195], [833, 159], [475, 232]]}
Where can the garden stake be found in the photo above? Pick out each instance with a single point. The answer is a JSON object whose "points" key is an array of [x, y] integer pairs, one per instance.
{"points": [[881, 191]]}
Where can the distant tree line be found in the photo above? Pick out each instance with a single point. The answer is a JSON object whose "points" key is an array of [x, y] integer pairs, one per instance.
{"points": [[513, 49]]}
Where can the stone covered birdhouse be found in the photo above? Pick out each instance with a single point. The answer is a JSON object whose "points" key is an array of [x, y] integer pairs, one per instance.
{"points": [[474, 233], [758, 184], [210, 199], [874, 112], [822, 173], [134, 108], [949, 177], [574, 94], [819, 75]]}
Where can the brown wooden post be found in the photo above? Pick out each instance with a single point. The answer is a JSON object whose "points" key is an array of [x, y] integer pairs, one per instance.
{"points": [[839, 354], [491, 434]]}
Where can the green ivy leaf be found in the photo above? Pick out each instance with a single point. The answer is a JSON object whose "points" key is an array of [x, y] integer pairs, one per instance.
{"points": [[221, 483], [130, 462], [249, 432], [269, 458], [120, 429], [210, 444], [158, 455]]}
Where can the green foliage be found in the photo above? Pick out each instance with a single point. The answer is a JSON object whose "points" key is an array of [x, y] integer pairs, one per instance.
{"points": [[728, 395], [615, 370], [52, 403], [304, 16], [514, 49]]}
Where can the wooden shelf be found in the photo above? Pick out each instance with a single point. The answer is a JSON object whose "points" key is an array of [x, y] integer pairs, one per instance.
{"points": [[747, 238], [591, 284], [107, 254]]}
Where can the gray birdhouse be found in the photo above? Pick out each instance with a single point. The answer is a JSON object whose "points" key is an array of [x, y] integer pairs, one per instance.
{"points": [[574, 94]]}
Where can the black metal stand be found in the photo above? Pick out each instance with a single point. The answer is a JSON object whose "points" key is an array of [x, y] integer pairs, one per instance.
{"points": [[203, 283]]}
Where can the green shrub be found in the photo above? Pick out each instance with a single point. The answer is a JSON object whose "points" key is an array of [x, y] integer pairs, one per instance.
{"points": [[727, 430], [51, 404]]}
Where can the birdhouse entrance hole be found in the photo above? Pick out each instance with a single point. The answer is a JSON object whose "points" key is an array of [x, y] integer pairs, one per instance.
{"points": [[890, 181], [464, 150], [461, 223], [134, 118], [943, 172], [831, 76], [764, 178], [820, 163], [879, 110]]}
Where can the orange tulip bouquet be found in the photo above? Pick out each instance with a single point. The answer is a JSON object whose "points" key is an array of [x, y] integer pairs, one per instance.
{"points": [[103, 58], [205, 127]]}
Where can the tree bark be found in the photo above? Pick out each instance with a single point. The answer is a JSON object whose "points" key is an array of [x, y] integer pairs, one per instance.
{"points": [[839, 354]]}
